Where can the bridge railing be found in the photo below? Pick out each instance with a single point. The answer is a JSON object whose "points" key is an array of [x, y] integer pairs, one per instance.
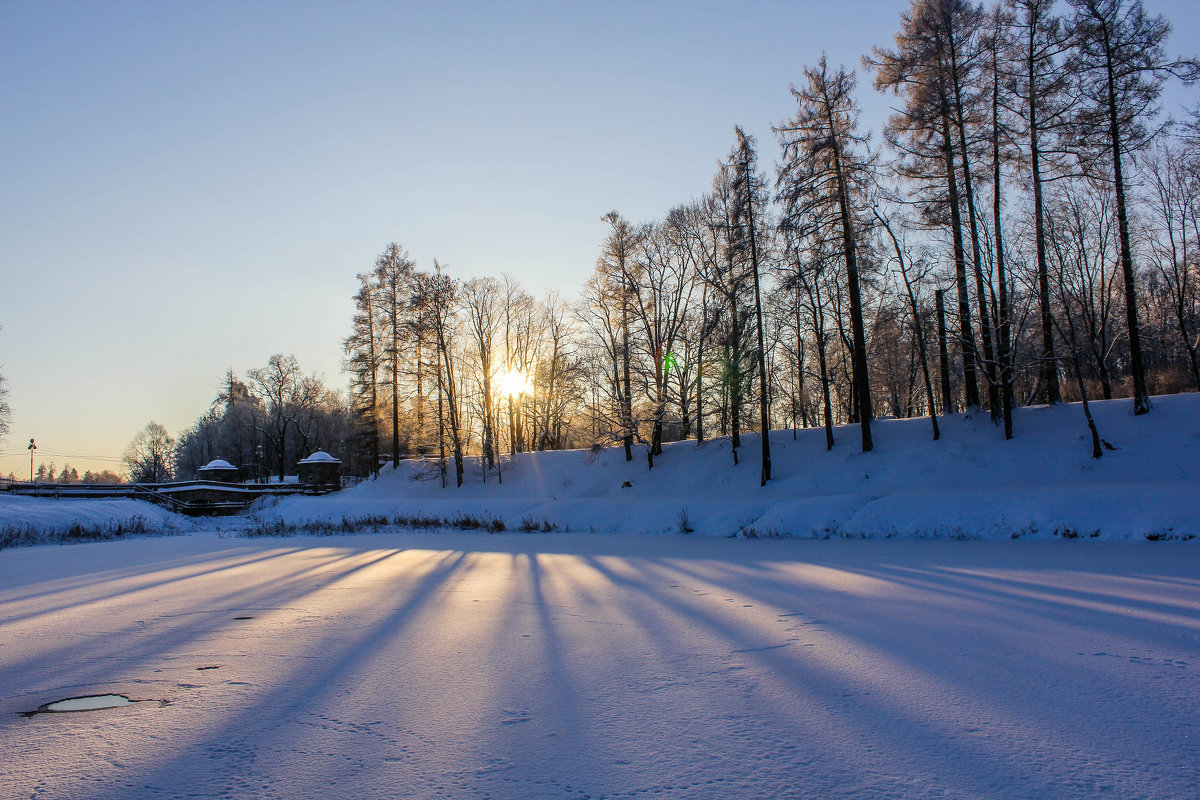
{"points": [[186, 497]]}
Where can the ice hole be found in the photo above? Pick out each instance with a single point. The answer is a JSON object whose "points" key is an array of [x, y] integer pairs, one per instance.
{"points": [[90, 702]]}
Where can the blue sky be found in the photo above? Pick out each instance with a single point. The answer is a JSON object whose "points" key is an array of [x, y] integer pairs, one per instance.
{"points": [[187, 187]]}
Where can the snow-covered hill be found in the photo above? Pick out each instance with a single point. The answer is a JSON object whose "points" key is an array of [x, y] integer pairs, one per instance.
{"points": [[970, 483], [35, 519]]}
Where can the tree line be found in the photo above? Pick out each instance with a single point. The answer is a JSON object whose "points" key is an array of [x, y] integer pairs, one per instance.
{"points": [[69, 475], [264, 425], [1025, 233]]}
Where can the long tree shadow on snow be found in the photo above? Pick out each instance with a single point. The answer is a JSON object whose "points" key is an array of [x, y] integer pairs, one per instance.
{"points": [[599, 673], [252, 731]]}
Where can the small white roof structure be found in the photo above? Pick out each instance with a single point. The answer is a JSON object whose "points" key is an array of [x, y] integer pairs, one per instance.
{"points": [[218, 463], [320, 457]]}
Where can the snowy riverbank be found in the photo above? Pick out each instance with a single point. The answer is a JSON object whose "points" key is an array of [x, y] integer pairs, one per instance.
{"points": [[970, 484]]}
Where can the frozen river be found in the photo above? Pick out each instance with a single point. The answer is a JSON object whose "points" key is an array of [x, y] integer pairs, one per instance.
{"points": [[601, 666]]}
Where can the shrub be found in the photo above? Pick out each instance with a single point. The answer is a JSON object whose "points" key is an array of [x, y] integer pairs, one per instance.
{"points": [[28, 534], [531, 525], [371, 523]]}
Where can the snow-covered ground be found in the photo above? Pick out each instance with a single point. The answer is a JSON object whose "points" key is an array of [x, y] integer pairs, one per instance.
{"points": [[971, 483], [606, 662], [49, 514], [576, 665]]}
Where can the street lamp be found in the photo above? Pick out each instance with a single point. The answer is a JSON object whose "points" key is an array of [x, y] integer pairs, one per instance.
{"points": [[31, 448]]}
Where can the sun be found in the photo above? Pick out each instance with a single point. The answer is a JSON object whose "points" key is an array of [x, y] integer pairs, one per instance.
{"points": [[514, 382]]}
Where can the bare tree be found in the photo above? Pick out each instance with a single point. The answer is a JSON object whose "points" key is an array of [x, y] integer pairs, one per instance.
{"points": [[811, 276], [1121, 64], [393, 277], [746, 240], [1174, 178], [481, 304], [519, 312], [437, 295], [149, 456], [5, 410], [922, 69], [996, 43], [910, 274], [364, 349], [730, 283], [1081, 231], [555, 375], [617, 260], [289, 397], [1041, 84]]}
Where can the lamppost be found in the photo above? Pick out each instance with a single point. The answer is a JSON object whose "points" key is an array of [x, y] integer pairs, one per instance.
{"points": [[31, 448]]}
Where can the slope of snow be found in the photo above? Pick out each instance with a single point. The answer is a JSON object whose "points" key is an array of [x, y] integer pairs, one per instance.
{"points": [[570, 665], [57, 515], [970, 483]]}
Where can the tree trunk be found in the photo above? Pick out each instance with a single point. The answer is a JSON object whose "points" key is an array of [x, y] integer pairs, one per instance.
{"points": [[969, 190], [918, 329], [627, 390], [1048, 364], [944, 354], [396, 392], [764, 411], [965, 333], [824, 365], [700, 369], [1141, 396], [1003, 323]]}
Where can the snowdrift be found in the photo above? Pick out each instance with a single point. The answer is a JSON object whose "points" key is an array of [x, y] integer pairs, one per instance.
{"points": [[969, 484], [32, 520]]}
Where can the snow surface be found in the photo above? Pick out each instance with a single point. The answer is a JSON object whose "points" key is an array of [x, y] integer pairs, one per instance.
{"points": [[971, 483], [50, 514], [217, 463], [575, 665], [625, 665]]}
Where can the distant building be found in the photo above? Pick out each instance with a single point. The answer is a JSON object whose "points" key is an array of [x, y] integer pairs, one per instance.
{"points": [[321, 470], [220, 470]]}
